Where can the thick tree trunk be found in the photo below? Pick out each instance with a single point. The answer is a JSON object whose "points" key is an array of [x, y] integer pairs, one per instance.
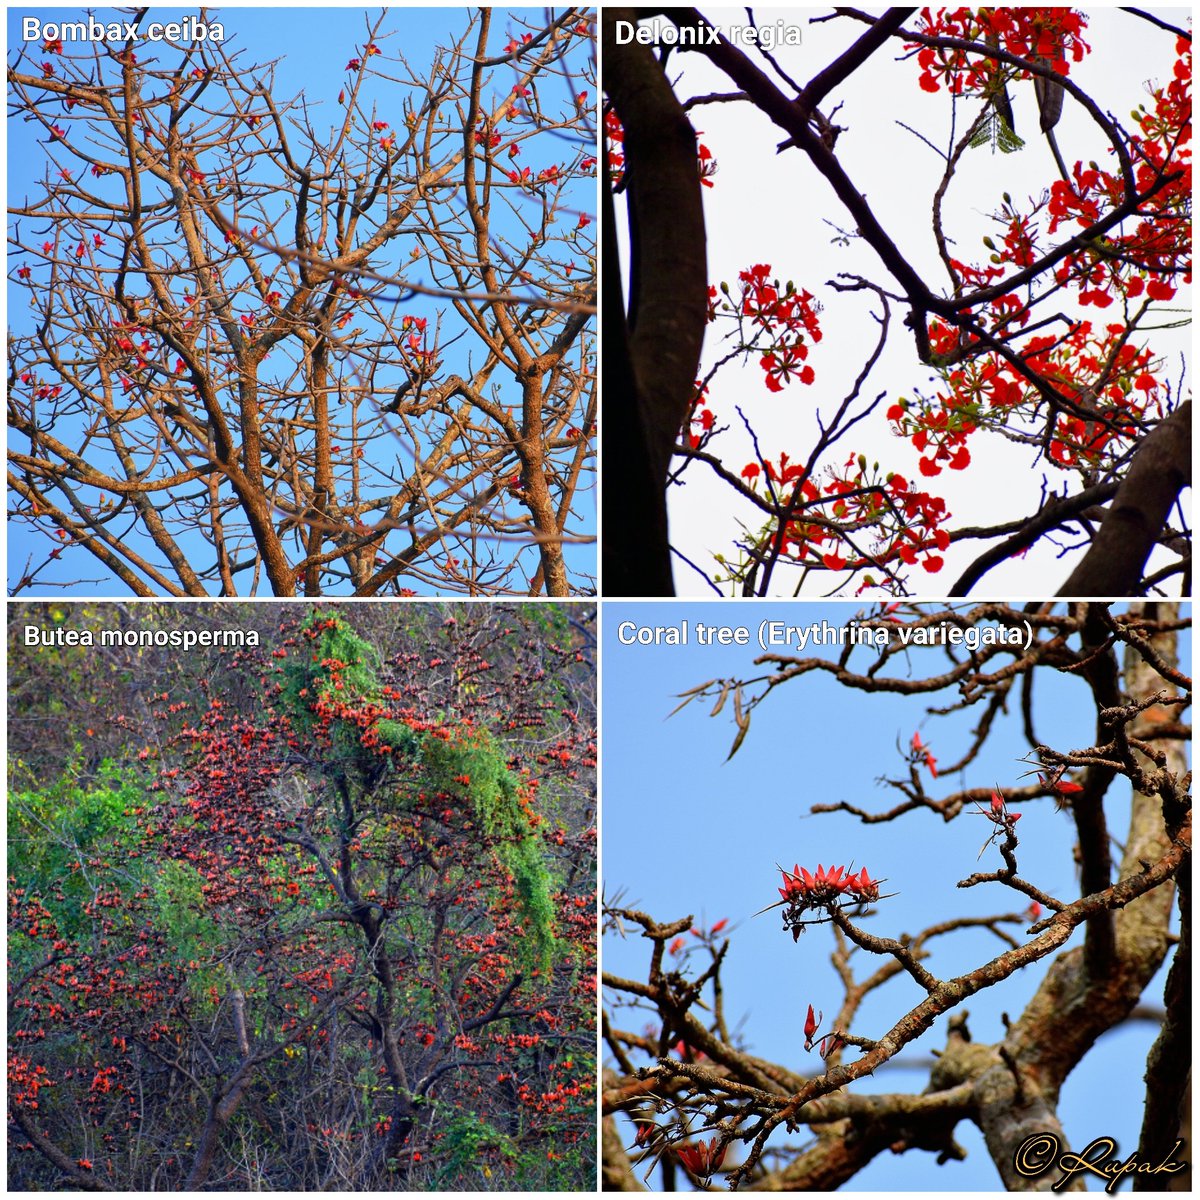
{"points": [[1161, 469], [651, 355]]}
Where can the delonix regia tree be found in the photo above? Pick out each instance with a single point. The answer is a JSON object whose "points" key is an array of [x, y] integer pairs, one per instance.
{"points": [[974, 324], [333, 342], [1024, 958], [323, 919]]}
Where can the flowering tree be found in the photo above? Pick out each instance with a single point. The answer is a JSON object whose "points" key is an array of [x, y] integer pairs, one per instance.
{"points": [[331, 926], [334, 342], [1015, 977], [1042, 332]]}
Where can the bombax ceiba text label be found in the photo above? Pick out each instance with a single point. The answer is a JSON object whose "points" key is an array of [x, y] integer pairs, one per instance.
{"points": [[34, 29]]}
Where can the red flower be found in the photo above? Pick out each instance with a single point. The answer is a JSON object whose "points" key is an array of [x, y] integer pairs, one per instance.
{"points": [[701, 1158], [830, 1044], [1064, 787], [863, 886], [811, 1025], [922, 751]]}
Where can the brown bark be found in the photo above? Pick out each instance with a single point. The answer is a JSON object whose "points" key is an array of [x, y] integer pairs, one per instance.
{"points": [[1086, 993], [79, 1178], [1161, 469]]}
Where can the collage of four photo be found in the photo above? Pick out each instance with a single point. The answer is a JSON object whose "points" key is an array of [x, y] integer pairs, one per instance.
{"points": [[599, 599]]}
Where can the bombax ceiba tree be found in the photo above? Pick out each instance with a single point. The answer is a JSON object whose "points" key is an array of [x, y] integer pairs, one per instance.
{"points": [[288, 339]]}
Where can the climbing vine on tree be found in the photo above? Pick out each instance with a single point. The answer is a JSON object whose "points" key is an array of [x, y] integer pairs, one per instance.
{"points": [[343, 908], [335, 695]]}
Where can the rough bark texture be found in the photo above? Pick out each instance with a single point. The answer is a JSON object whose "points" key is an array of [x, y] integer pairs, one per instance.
{"points": [[1160, 470], [652, 351]]}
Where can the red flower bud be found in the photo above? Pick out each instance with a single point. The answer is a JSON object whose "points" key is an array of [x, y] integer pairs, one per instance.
{"points": [[811, 1025]]}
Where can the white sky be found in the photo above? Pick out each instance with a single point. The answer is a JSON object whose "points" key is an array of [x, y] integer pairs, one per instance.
{"points": [[772, 208]]}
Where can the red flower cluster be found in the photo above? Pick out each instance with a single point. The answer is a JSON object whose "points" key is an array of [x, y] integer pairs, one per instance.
{"points": [[701, 1158], [614, 135], [1053, 35], [827, 887], [825, 891]]}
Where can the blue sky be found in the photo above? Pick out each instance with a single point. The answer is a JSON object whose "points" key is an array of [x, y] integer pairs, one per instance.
{"points": [[311, 56], [685, 832]]}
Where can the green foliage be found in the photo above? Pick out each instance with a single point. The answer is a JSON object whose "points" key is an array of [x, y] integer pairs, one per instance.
{"points": [[195, 937], [335, 667], [524, 860], [403, 739], [996, 132], [330, 654], [334, 677], [55, 831], [473, 765], [469, 1151]]}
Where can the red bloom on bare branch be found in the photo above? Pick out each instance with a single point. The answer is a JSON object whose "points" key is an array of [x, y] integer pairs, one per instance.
{"points": [[811, 1025], [922, 752], [804, 892], [701, 1158]]}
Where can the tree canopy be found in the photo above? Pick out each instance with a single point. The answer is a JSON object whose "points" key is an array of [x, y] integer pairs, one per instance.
{"points": [[313, 914]]}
